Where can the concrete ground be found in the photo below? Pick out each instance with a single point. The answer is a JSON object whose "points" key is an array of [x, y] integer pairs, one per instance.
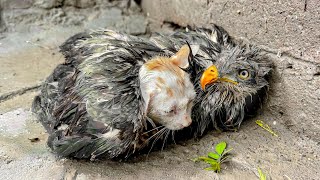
{"points": [[28, 56]]}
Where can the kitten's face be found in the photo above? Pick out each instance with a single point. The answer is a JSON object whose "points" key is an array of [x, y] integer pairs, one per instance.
{"points": [[171, 103], [167, 90]]}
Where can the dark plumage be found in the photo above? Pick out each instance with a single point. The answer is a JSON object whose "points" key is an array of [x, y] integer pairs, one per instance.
{"points": [[69, 106]]}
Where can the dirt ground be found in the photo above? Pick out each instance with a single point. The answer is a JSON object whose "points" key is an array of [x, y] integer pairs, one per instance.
{"points": [[29, 55]]}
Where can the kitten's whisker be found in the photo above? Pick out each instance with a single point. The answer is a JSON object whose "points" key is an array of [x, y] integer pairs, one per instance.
{"points": [[152, 129], [157, 138], [161, 130], [172, 133], [165, 139], [160, 135]]}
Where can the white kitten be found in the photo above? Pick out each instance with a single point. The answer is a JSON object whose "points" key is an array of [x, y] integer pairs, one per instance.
{"points": [[167, 90]]}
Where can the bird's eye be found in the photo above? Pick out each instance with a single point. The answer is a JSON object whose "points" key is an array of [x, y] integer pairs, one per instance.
{"points": [[244, 74]]}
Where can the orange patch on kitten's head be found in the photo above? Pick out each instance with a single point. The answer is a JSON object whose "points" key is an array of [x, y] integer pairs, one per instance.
{"points": [[164, 64], [180, 59], [160, 80], [169, 92], [156, 64]]}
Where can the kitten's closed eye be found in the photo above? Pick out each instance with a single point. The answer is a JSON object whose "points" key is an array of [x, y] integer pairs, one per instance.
{"points": [[172, 110]]}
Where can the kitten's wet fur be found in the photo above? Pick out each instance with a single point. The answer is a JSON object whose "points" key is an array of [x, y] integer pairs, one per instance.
{"points": [[167, 90]]}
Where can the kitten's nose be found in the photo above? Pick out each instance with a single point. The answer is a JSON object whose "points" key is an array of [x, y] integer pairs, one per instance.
{"points": [[187, 121]]}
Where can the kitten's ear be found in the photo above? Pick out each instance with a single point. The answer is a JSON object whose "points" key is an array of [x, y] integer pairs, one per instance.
{"points": [[147, 97], [181, 58], [194, 48]]}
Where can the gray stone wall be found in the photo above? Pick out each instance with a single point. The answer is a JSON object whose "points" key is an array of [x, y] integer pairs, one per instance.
{"points": [[290, 26], [288, 30], [32, 15]]}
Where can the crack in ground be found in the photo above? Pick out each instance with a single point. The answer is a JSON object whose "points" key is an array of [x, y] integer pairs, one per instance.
{"points": [[286, 54], [10, 95]]}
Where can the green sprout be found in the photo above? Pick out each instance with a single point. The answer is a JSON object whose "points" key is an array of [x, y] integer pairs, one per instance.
{"points": [[215, 159], [262, 175]]}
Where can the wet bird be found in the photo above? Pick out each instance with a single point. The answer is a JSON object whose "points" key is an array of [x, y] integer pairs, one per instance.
{"points": [[229, 78]]}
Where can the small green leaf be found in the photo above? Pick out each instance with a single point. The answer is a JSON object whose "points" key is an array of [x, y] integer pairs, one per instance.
{"points": [[214, 167], [213, 155], [221, 147], [207, 160], [211, 168], [262, 175]]}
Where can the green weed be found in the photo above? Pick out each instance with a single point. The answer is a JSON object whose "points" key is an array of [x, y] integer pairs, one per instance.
{"points": [[215, 159]]}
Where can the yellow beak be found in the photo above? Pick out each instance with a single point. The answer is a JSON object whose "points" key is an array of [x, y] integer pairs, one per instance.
{"points": [[209, 76]]}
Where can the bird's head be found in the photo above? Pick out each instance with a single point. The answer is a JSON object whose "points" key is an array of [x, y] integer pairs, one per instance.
{"points": [[227, 85], [237, 68]]}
